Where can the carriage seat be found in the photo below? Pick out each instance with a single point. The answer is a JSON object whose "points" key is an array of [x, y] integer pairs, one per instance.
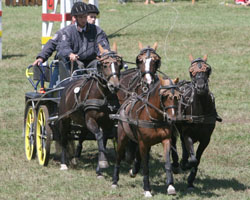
{"points": [[64, 72], [33, 95]]}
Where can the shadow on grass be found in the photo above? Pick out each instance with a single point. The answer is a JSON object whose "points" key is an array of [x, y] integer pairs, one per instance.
{"points": [[12, 56], [204, 186]]}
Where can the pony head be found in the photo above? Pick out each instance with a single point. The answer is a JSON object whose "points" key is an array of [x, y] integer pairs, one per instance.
{"points": [[148, 61], [110, 64], [199, 72]]}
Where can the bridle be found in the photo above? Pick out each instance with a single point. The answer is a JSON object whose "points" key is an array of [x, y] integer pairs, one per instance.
{"points": [[171, 87], [111, 58], [198, 73], [147, 61]]}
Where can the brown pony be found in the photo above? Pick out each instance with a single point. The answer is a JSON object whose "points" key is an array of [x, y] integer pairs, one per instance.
{"points": [[198, 115], [147, 120], [135, 80], [147, 62], [85, 102]]}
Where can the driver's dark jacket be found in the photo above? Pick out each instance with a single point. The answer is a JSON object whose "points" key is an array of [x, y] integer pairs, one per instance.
{"points": [[82, 42]]}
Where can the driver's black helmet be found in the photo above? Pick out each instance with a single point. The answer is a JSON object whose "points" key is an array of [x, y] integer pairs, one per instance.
{"points": [[79, 8], [93, 9]]}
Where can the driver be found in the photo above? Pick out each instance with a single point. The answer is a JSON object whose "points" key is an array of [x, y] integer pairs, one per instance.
{"points": [[80, 41]]}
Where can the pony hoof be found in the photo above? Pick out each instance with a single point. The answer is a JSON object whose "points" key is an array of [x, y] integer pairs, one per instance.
{"points": [[131, 174], [171, 190], [147, 194], [190, 188], [63, 167], [103, 164], [100, 176], [176, 170], [193, 162], [114, 186], [74, 161]]}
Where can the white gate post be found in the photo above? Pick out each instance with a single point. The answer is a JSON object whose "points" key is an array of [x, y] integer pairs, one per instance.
{"points": [[0, 29], [49, 17]]}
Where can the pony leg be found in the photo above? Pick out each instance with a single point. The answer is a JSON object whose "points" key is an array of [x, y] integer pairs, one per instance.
{"points": [[144, 152], [170, 180], [130, 151], [79, 147], [202, 146], [102, 159], [64, 127], [121, 146], [136, 164], [94, 128], [190, 147], [175, 157], [184, 161]]}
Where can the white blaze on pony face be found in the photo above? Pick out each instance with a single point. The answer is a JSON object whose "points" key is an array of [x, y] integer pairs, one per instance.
{"points": [[147, 69], [173, 111], [113, 68]]}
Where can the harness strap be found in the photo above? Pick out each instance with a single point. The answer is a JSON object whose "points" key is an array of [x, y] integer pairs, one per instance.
{"points": [[140, 123], [86, 104], [200, 119]]}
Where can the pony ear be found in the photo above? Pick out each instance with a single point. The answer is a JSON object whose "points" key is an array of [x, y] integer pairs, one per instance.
{"points": [[176, 80], [140, 46], [161, 80], [205, 57], [155, 46], [191, 58], [102, 50], [114, 47]]}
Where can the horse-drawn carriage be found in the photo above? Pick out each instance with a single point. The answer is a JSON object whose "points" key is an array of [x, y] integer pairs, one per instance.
{"points": [[43, 112], [150, 108]]}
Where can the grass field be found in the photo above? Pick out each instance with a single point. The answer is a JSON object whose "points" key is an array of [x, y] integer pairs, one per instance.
{"points": [[215, 27]]}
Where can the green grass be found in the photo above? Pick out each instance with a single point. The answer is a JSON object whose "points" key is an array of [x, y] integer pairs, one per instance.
{"points": [[208, 27]]}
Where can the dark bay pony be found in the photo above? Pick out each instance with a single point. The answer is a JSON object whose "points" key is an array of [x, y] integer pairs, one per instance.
{"points": [[198, 115], [85, 102], [147, 120]]}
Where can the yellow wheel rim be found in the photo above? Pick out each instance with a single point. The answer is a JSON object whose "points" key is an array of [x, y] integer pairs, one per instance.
{"points": [[41, 136], [29, 134]]}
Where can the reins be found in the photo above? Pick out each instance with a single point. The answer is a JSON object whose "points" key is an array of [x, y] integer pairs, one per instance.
{"points": [[142, 123]]}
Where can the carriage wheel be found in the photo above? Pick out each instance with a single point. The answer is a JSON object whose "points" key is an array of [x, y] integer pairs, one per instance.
{"points": [[29, 133], [43, 136]]}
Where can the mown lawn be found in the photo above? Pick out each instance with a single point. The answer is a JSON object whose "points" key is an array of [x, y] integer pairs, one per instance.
{"points": [[217, 28]]}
